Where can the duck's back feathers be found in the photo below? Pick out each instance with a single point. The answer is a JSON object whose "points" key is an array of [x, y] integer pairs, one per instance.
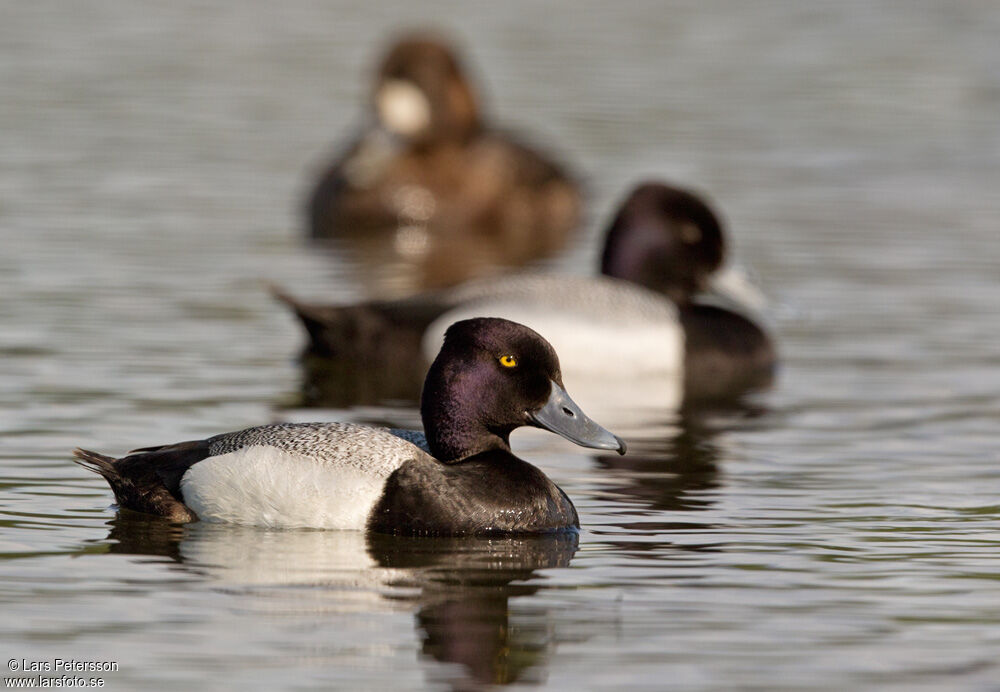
{"points": [[595, 297], [504, 200], [380, 350], [319, 475], [414, 437], [596, 324], [329, 443]]}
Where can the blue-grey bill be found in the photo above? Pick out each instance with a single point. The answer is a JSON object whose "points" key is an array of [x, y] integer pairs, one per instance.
{"points": [[561, 415]]}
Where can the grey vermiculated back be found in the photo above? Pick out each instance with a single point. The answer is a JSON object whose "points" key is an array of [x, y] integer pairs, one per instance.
{"points": [[414, 436], [332, 443], [600, 298]]}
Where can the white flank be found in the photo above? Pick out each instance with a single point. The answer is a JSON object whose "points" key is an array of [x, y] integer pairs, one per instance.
{"points": [[616, 370], [587, 347], [266, 486]]}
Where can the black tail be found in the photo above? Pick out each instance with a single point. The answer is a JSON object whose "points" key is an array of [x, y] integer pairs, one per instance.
{"points": [[104, 466], [281, 295], [365, 330], [98, 463], [324, 323], [148, 481]]}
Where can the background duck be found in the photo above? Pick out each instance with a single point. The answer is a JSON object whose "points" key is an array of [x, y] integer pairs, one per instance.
{"points": [[431, 186], [655, 311], [458, 477]]}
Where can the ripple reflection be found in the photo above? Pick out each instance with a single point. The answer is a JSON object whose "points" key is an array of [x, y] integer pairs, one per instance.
{"points": [[459, 588]]}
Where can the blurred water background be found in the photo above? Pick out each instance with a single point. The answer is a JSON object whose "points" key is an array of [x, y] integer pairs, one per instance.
{"points": [[841, 531]]}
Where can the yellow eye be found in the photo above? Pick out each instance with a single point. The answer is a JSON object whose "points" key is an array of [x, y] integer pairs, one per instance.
{"points": [[508, 361]]}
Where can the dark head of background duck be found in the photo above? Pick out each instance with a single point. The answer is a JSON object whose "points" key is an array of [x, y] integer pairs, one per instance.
{"points": [[665, 239], [471, 402], [427, 62]]}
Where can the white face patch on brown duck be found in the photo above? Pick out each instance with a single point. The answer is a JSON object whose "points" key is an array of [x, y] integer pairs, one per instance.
{"points": [[403, 109], [422, 94]]}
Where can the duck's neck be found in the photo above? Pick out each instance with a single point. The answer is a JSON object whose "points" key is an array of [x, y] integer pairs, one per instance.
{"points": [[450, 410], [451, 445], [648, 270]]}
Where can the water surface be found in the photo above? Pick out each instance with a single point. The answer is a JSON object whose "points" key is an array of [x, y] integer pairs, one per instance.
{"points": [[841, 531]]}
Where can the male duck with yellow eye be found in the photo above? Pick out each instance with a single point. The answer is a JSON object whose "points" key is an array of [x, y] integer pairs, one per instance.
{"points": [[458, 477], [657, 310], [431, 181]]}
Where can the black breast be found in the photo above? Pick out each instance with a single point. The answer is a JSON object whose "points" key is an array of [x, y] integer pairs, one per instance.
{"points": [[725, 354], [491, 493]]}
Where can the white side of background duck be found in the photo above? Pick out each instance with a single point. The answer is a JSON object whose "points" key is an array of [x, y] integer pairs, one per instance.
{"points": [[654, 313]]}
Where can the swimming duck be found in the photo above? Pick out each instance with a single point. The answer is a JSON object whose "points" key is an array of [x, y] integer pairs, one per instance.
{"points": [[652, 311], [428, 177], [457, 477]]}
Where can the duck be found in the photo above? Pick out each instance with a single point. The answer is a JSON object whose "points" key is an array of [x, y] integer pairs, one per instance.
{"points": [[653, 310], [428, 175], [456, 477]]}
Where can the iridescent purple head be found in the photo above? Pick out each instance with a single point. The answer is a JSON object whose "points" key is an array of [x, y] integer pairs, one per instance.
{"points": [[491, 377], [665, 239]]}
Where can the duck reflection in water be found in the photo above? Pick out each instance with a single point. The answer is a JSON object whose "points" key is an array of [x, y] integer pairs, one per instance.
{"points": [[429, 195], [460, 588], [670, 477], [666, 474]]}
